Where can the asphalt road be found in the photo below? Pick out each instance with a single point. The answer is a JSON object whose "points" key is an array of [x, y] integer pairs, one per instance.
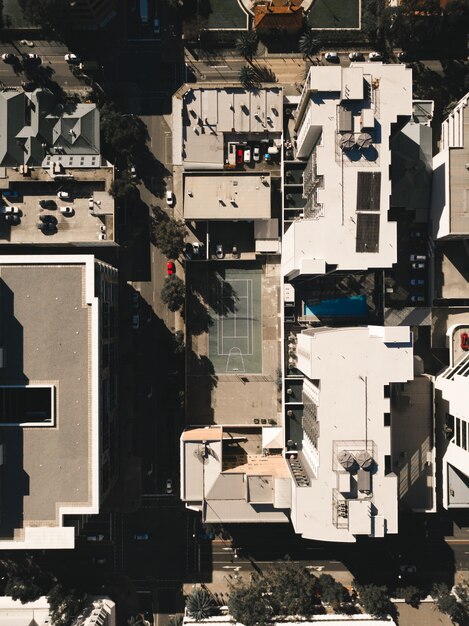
{"points": [[52, 55]]}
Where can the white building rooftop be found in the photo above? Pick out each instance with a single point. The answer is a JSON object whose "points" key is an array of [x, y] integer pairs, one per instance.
{"points": [[343, 129], [346, 440]]}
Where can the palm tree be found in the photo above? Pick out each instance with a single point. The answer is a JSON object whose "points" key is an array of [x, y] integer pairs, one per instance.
{"points": [[308, 44], [248, 77], [199, 604], [246, 44]]}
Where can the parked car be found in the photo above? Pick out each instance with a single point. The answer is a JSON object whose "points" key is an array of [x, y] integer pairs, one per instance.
{"points": [[239, 156], [408, 569], [95, 538], [156, 27], [416, 234], [356, 56], [13, 219], [135, 322], [72, 58], [170, 268], [32, 58], [10, 209], [247, 154], [256, 153], [465, 341], [403, 56], [375, 56], [68, 211], [64, 195], [133, 172], [196, 248], [418, 257], [8, 57], [235, 252], [141, 536], [418, 266], [48, 204], [169, 198], [219, 251], [332, 57], [169, 486], [135, 299], [98, 561], [28, 85], [417, 298], [419, 282]]}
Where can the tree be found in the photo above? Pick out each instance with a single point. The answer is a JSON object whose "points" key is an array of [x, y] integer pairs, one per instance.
{"points": [[122, 189], [246, 44], [374, 599], [65, 605], [248, 77], [173, 293], [411, 595], [123, 134], [41, 12], [293, 590], [249, 604], [199, 604], [166, 233], [332, 592], [308, 44], [25, 580]]}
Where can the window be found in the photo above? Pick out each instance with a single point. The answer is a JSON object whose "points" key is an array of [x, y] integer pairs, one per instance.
{"points": [[464, 434], [458, 431], [387, 464], [387, 419], [387, 391]]}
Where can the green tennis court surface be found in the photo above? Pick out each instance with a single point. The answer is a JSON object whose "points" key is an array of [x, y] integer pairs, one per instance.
{"points": [[334, 14], [235, 337]]}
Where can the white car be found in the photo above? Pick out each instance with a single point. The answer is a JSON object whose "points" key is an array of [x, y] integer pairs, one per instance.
{"points": [[169, 198], [375, 56], [256, 153], [64, 195], [356, 56], [418, 257], [95, 538], [68, 211], [72, 58], [247, 154], [332, 57], [33, 58]]}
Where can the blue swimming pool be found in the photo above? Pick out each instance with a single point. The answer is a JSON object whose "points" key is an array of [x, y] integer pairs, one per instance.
{"points": [[348, 306]]}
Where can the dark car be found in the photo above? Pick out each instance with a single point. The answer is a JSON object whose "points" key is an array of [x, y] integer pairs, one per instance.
{"points": [[28, 86], [465, 341], [8, 57], [47, 204]]}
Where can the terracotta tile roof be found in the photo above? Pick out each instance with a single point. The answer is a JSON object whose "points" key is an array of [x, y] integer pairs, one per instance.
{"points": [[275, 16]]}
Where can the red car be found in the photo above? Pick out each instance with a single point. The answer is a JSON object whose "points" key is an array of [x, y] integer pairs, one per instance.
{"points": [[464, 341], [170, 268], [239, 156]]}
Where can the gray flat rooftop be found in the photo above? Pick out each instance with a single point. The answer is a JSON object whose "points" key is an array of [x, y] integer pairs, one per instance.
{"points": [[83, 226], [459, 181], [227, 196], [45, 326]]}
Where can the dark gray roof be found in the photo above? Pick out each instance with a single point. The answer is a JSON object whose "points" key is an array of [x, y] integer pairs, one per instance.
{"points": [[30, 120], [367, 232], [368, 191]]}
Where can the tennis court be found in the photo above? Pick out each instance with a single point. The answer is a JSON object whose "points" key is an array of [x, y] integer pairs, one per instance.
{"points": [[235, 338]]}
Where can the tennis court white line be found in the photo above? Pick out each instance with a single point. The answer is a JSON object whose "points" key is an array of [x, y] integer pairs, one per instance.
{"points": [[249, 338]]}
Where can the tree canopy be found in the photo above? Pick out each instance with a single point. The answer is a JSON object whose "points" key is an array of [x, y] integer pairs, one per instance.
{"points": [[200, 604], [308, 44], [123, 134], [166, 233], [246, 44], [173, 293], [374, 599], [25, 580]]}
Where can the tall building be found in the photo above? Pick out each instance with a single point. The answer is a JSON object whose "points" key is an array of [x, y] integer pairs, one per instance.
{"points": [[58, 387], [450, 176], [89, 14], [344, 484], [344, 123]]}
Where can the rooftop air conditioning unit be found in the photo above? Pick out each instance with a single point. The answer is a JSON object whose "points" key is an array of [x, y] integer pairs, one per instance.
{"points": [[101, 236]]}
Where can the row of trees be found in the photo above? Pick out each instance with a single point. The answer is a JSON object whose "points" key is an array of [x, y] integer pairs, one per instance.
{"points": [[26, 581], [288, 590]]}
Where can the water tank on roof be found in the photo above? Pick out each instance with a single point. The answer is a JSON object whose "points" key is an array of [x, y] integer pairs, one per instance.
{"points": [[346, 459], [364, 459]]}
